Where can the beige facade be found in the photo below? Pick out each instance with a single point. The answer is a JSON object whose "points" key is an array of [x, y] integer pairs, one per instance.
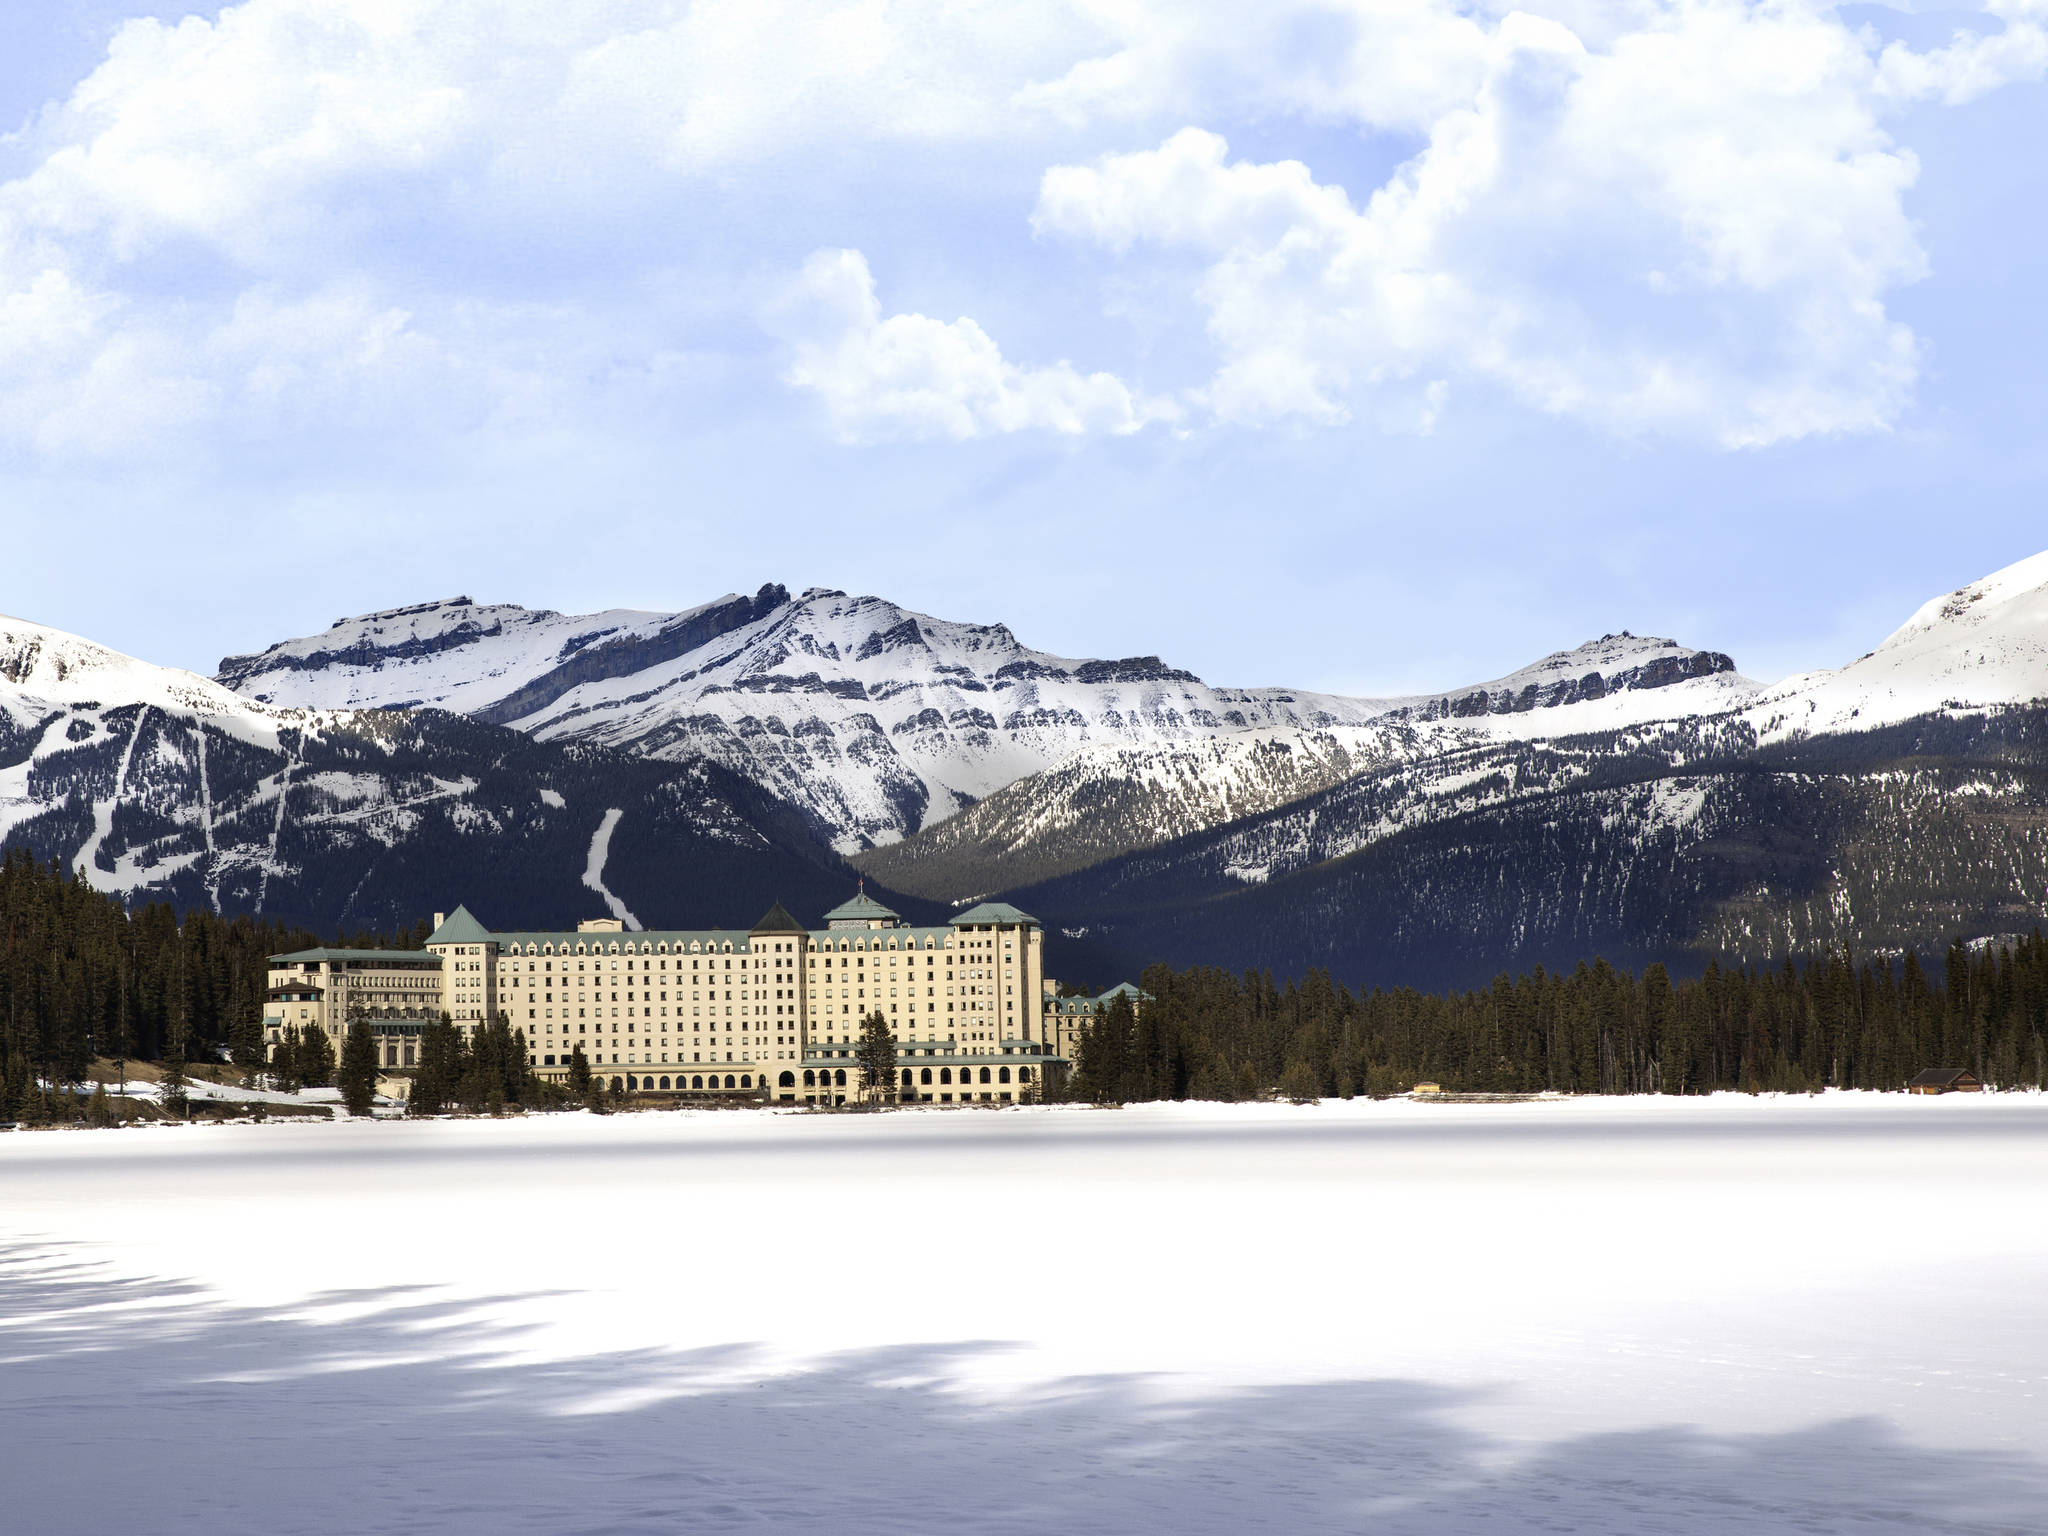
{"points": [[774, 1011], [397, 990]]}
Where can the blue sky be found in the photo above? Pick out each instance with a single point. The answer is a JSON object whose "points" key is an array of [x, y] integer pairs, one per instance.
{"points": [[1366, 346]]}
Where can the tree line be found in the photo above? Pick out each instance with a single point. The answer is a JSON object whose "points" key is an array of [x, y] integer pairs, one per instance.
{"points": [[83, 976], [1827, 1022]]}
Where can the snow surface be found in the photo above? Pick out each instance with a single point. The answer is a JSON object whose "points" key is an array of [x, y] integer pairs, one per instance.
{"points": [[879, 720], [1611, 1316], [1981, 645], [593, 870], [55, 667]]}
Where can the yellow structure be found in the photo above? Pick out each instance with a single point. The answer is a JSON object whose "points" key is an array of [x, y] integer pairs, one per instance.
{"points": [[773, 1011]]}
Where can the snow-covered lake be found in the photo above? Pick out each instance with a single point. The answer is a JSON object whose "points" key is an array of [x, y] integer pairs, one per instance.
{"points": [[1731, 1315]]}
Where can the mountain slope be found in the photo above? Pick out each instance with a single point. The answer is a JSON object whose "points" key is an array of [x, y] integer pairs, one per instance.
{"points": [[1103, 802], [874, 720], [1896, 802], [161, 784], [1981, 645]]}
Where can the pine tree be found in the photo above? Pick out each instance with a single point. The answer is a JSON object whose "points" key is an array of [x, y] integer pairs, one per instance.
{"points": [[1299, 1083], [315, 1057], [1102, 1073], [876, 1054], [284, 1061], [579, 1072], [245, 1043], [171, 1089], [358, 1076], [442, 1064]]}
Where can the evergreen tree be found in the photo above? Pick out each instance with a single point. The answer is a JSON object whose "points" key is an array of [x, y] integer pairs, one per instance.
{"points": [[579, 1072], [358, 1075], [245, 1044], [1299, 1083], [1105, 1067], [171, 1088], [315, 1057], [442, 1064], [284, 1061], [876, 1054]]}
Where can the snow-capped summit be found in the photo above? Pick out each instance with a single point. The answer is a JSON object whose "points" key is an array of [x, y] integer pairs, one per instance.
{"points": [[1979, 646], [1622, 663], [40, 665], [473, 657], [875, 719]]}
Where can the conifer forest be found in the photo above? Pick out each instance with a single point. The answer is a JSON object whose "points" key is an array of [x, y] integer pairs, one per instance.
{"points": [[82, 976], [1828, 1021]]}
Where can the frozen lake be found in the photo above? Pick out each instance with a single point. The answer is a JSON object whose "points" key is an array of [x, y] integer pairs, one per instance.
{"points": [[1613, 1315]]}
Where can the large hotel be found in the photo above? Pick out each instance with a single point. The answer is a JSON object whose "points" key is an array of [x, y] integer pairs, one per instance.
{"points": [[771, 1012]]}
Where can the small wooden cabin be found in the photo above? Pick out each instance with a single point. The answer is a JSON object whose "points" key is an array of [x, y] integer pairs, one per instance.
{"points": [[1945, 1080]]}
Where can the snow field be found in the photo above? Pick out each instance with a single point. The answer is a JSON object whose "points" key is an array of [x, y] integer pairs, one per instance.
{"points": [[1607, 1315]]}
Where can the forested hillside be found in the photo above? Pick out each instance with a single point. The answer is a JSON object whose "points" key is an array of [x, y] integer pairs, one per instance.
{"points": [[1828, 1023], [1675, 844], [80, 975]]}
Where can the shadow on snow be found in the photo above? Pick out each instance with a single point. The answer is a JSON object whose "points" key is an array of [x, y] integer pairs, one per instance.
{"points": [[128, 1405]]}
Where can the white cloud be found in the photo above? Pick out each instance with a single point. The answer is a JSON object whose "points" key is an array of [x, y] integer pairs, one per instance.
{"points": [[913, 376], [1973, 62], [1655, 215], [1690, 229]]}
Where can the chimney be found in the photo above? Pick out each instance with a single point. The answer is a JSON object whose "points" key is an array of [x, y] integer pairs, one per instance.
{"points": [[439, 919]]}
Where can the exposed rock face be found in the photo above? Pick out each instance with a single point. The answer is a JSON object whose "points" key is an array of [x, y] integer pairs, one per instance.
{"points": [[1612, 664], [161, 785], [873, 720]]}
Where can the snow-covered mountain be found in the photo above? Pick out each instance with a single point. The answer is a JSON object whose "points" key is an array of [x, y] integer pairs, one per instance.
{"points": [[1631, 670], [1978, 647], [1630, 792], [878, 722], [161, 784], [1112, 799], [874, 720], [1899, 801]]}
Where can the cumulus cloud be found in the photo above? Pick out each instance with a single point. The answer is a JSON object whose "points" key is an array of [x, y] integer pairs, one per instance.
{"points": [[1691, 228], [913, 376], [1652, 215]]}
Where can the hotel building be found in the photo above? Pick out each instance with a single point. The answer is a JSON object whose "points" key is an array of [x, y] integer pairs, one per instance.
{"points": [[769, 1012]]}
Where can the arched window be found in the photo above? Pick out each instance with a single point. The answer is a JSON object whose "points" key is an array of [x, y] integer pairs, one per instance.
{"points": [[632, 1082], [1002, 1074], [696, 1082], [984, 1074], [925, 1076], [809, 1080], [906, 1077], [945, 1076], [839, 1078], [1023, 1074], [664, 1082], [745, 1082], [728, 1080], [788, 1080]]}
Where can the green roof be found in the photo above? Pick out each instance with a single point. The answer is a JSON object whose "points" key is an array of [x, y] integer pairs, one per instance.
{"points": [[863, 908], [994, 912], [778, 920], [416, 955], [460, 928], [1125, 989]]}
